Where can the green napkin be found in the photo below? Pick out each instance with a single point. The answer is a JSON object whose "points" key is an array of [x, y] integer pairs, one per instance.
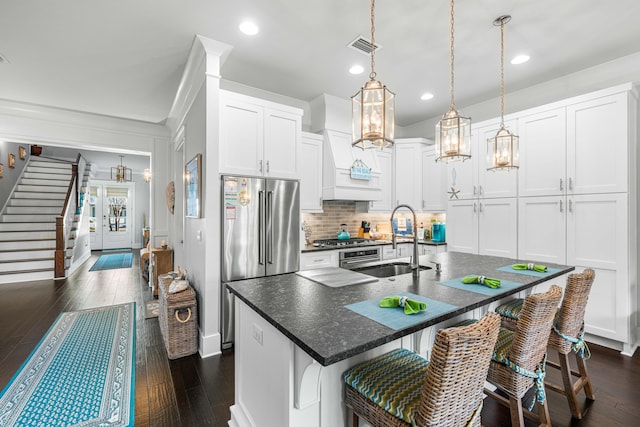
{"points": [[411, 306], [530, 266], [482, 280]]}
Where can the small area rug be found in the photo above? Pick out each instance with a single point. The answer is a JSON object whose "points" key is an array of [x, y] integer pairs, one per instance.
{"points": [[81, 373], [111, 261], [152, 308]]}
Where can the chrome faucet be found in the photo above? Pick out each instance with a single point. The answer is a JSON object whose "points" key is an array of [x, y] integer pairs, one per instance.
{"points": [[415, 265]]}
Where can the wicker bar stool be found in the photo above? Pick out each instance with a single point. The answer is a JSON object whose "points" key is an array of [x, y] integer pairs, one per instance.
{"points": [[518, 361], [566, 337], [400, 388]]}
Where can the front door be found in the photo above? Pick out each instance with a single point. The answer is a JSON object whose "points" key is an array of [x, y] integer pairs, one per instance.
{"points": [[111, 215]]}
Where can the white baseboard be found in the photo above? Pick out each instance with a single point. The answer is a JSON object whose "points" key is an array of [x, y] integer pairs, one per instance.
{"points": [[209, 345]]}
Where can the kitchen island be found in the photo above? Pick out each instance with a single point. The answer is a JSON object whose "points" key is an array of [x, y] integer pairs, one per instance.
{"points": [[295, 338]]}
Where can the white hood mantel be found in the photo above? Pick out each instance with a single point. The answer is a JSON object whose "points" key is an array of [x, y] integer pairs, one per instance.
{"points": [[338, 158], [332, 118]]}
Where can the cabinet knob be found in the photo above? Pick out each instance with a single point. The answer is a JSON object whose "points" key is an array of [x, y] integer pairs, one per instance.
{"points": [[561, 185], [260, 163], [570, 184], [267, 165], [561, 208]]}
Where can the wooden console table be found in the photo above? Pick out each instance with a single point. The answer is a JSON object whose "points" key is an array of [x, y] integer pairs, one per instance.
{"points": [[161, 262]]}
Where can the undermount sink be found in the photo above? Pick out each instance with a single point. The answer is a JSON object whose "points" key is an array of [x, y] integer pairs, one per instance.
{"points": [[388, 270]]}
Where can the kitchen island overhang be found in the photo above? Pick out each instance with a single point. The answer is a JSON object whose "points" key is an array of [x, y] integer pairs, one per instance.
{"points": [[302, 331]]}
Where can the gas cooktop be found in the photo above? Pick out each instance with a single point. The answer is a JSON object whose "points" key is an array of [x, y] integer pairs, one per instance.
{"points": [[323, 243]]}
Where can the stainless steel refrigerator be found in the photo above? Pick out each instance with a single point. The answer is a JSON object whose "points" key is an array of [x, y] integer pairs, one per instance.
{"points": [[260, 235]]}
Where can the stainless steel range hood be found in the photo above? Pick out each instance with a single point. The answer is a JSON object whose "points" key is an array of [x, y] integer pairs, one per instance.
{"points": [[332, 117]]}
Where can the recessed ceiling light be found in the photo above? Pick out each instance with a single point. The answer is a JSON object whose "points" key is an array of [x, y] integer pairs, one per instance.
{"points": [[249, 28], [356, 69], [520, 59], [426, 96]]}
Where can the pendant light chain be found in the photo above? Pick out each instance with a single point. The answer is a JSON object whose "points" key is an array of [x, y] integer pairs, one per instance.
{"points": [[451, 56], [372, 75], [502, 72]]}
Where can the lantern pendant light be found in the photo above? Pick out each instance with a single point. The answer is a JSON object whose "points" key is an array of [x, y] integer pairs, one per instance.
{"points": [[453, 131], [373, 108], [502, 149]]}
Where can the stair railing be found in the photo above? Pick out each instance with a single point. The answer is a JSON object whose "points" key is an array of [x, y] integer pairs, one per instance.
{"points": [[64, 222]]}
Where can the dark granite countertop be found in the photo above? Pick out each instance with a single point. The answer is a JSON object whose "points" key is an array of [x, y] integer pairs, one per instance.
{"points": [[311, 248], [314, 318]]}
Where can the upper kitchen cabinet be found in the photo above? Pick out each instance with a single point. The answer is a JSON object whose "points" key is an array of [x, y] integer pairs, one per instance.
{"points": [[543, 153], [408, 166], [579, 146], [258, 137], [470, 179], [598, 145], [493, 183], [385, 163], [310, 167], [434, 190]]}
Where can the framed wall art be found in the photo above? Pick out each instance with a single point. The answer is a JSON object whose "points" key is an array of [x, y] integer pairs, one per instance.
{"points": [[12, 160], [22, 153], [1, 170], [193, 187]]}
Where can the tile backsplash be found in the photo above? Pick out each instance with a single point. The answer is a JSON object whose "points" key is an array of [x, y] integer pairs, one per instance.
{"points": [[326, 225]]}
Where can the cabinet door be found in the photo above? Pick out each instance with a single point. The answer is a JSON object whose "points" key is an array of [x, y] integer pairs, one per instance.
{"points": [[500, 183], [542, 229], [408, 177], [241, 136], [597, 231], [434, 189], [597, 145], [543, 153], [462, 226], [387, 179], [310, 167], [389, 253], [281, 140], [462, 176], [497, 224]]}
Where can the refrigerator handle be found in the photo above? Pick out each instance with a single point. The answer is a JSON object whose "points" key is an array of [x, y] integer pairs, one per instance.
{"points": [[269, 227], [260, 227]]}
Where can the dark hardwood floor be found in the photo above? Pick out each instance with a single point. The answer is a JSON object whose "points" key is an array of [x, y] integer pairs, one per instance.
{"points": [[196, 392]]}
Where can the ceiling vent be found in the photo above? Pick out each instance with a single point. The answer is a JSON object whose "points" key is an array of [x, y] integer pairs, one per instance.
{"points": [[364, 45], [3, 59]]}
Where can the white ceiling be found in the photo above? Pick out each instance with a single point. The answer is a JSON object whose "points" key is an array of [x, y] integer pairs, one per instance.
{"points": [[125, 58]]}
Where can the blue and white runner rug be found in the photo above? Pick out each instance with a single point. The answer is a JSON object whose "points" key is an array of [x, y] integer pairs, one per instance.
{"points": [[82, 373]]}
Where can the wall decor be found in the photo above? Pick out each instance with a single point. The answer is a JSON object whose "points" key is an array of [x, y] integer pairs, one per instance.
{"points": [[22, 153], [12, 160], [193, 187], [1, 169], [36, 150]]}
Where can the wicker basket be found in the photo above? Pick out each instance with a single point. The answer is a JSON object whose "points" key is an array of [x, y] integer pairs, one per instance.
{"points": [[178, 317]]}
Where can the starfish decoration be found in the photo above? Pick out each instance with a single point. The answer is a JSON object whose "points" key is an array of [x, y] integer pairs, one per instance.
{"points": [[453, 193]]}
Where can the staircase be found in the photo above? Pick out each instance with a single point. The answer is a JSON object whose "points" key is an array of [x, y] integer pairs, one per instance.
{"points": [[28, 222]]}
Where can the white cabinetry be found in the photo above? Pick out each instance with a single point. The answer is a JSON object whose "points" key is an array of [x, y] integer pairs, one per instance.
{"points": [[485, 227], [388, 252], [385, 163], [318, 259], [310, 167], [404, 250], [471, 179], [258, 137], [578, 199], [434, 190], [408, 166]]}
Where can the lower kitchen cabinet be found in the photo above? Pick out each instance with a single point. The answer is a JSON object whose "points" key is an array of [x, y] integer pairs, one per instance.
{"points": [[485, 227], [432, 249], [598, 237], [389, 252], [318, 259]]}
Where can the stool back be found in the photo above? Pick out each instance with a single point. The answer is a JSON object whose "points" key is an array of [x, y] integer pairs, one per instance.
{"points": [[454, 381]]}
